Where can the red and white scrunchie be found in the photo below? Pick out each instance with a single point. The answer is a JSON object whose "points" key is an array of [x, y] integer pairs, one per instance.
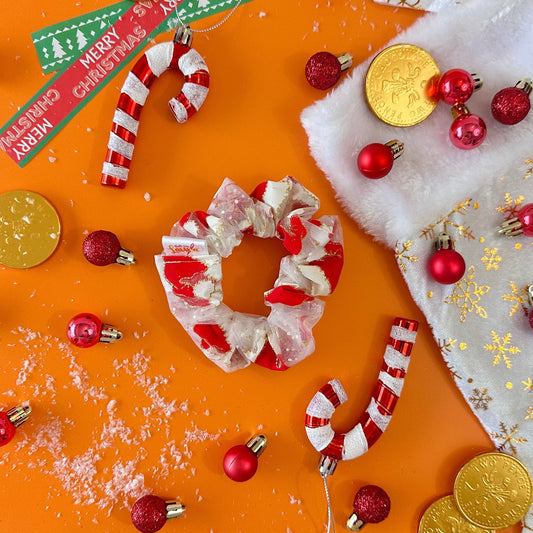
{"points": [[191, 271]]}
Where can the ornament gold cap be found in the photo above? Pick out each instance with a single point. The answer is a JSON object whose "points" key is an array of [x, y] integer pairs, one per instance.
{"points": [[327, 465], [257, 444], [174, 509], [396, 148], [459, 110], [354, 524], [444, 242], [183, 35], [525, 84], [125, 257], [109, 334], [478, 81], [345, 60], [530, 294], [510, 227], [18, 415]]}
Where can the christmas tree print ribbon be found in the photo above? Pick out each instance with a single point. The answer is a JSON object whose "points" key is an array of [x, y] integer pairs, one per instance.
{"points": [[43, 116]]}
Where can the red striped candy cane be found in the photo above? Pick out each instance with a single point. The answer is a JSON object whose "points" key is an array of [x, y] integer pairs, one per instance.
{"points": [[161, 57], [336, 446]]}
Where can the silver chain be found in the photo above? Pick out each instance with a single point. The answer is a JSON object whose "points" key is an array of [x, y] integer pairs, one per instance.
{"points": [[331, 522], [215, 26]]}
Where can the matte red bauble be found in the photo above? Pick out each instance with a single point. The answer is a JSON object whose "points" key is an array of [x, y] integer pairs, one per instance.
{"points": [[240, 462], [375, 160]]}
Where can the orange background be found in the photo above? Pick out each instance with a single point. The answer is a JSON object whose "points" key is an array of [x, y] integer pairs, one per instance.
{"points": [[248, 130]]}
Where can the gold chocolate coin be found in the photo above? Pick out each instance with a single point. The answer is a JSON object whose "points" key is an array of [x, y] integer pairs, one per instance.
{"points": [[400, 85], [444, 517], [493, 490], [29, 229]]}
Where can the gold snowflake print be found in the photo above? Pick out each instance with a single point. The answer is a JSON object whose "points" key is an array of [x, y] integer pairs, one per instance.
{"points": [[402, 257], [507, 436], [403, 3], [491, 259], [480, 399], [463, 231], [467, 296], [511, 206], [501, 349], [446, 345], [518, 296], [528, 385], [529, 413], [529, 171]]}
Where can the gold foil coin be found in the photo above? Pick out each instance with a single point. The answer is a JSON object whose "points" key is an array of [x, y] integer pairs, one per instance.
{"points": [[443, 516], [401, 84], [29, 229], [493, 490]]}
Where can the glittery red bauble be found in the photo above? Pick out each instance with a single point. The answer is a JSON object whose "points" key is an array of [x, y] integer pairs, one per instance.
{"points": [[531, 318], [84, 330], [149, 514], [7, 429], [467, 131], [323, 70], [446, 266], [375, 160], [456, 86], [371, 504], [510, 105], [240, 463], [525, 216], [101, 247]]}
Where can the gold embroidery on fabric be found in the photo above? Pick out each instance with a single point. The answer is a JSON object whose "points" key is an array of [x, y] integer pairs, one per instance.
{"points": [[465, 232], [501, 349], [480, 399], [511, 206], [529, 171], [528, 385], [467, 295], [491, 259], [403, 3], [529, 413], [402, 256], [519, 297], [446, 345], [508, 438]]}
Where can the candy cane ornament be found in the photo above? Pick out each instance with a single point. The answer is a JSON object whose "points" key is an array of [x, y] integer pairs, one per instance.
{"points": [[176, 54], [336, 446]]}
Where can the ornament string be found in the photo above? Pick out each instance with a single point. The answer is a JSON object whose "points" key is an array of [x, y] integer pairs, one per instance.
{"points": [[331, 522], [214, 26]]}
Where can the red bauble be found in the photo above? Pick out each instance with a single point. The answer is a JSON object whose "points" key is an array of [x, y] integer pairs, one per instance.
{"points": [[11, 420], [323, 69], [240, 463], [446, 266], [375, 160], [457, 85], [531, 318], [103, 248], [511, 105], [371, 504], [7, 429], [86, 330], [150, 513], [525, 217], [467, 131]]}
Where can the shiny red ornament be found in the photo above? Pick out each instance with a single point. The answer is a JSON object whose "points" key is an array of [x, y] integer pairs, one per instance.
{"points": [[530, 298], [323, 69], [375, 160], [446, 266], [467, 131], [371, 505], [240, 462], [511, 105], [150, 513], [521, 223], [86, 330], [103, 248], [457, 85], [10, 421]]}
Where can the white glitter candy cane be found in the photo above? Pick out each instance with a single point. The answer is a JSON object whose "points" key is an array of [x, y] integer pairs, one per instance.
{"points": [[156, 60]]}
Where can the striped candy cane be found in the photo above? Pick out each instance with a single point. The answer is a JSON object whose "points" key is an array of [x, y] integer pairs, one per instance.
{"points": [[176, 54], [343, 446]]}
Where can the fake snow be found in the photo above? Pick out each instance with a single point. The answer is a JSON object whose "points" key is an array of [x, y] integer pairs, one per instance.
{"points": [[96, 474], [147, 196]]}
